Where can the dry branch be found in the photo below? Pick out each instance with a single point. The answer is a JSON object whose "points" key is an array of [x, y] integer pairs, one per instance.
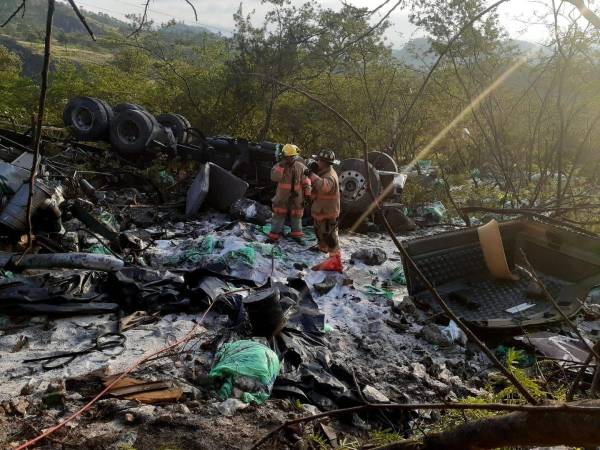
{"points": [[14, 14], [586, 12], [81, 18], [40, 119]]}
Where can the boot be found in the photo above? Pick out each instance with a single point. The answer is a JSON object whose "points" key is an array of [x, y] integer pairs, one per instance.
{"points": [[298, 236], [331, 264], [273, 237]]}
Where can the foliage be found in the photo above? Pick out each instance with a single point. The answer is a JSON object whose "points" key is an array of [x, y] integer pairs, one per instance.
{"points": [[542, 122], [383, 437]]}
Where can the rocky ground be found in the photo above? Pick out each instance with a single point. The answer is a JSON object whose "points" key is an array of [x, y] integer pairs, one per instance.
{"points": [[395, 351]]}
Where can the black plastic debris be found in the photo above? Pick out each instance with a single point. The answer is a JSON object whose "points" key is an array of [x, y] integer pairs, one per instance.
{"points": [[250, 211], [265, 312], [374, 256]]}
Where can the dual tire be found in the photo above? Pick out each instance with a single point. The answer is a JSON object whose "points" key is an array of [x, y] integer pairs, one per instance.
{"points": [[128, 126]]}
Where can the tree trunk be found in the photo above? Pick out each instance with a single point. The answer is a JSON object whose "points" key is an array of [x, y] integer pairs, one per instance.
{"points": [[516, 429]]}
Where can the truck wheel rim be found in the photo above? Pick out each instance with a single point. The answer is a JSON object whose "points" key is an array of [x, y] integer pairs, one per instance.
{"points": [[128, 131], [83, 119], [352, 185]]}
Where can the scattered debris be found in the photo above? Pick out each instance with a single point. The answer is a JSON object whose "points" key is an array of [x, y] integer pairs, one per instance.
{"points": [[434, 335], [456, 264], [246, 370], [370, 256]]}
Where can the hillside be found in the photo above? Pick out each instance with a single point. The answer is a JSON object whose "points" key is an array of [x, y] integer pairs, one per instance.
{"points": [[66, 24], [418, 54], [24, 34]]}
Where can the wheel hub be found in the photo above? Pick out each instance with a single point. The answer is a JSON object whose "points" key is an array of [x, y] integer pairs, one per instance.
{"points": [[128, 131], [83, 119], [352, 185]]}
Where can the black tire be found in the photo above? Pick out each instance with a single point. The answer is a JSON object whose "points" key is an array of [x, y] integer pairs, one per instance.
{"points": [[178, 125], [188, 127], [87, 118], [127, 106], [353, 185], [132, 131], [111, 116], [383, 161]]}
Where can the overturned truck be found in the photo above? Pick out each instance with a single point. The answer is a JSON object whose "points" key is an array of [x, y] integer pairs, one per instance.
{"points": [[135, 133]]}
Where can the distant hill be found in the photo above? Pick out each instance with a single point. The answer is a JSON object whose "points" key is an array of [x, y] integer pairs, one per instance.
{"points": [[418, 54], [24, 34], [33, 23], [67, 26]]}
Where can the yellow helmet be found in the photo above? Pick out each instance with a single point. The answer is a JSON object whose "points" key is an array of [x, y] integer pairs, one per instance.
{"points": [[290, 150]]}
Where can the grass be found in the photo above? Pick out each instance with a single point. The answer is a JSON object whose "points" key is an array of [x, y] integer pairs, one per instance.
{"points": [[69, 52]]}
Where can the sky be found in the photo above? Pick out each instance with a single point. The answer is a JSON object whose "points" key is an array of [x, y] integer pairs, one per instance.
{"points": [[517, 16]]}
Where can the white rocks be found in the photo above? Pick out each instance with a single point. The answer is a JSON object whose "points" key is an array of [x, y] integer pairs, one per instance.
{"points": [[372, 395]]}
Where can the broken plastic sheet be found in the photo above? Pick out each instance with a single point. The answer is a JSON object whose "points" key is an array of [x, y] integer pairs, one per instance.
{"points": [[228, 254], [563, 348], [145, 289], [66, 293], [308, 372]]}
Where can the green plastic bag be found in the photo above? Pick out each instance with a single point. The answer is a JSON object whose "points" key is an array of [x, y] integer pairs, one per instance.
{"points": [[398, 276], [436, 209], [373, 290], [266, 229], [268, 250], [245, 255], [246, 363], [197, 254], [99, 249], [424, 164], [6, 274], [109, 220], [165, 178]]}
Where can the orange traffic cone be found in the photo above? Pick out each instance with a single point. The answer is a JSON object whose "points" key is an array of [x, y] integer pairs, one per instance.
{"points": [[331, 264]]}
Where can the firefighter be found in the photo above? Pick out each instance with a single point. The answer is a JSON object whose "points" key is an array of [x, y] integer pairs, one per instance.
{"points": [[325, 208], [293, 186]]}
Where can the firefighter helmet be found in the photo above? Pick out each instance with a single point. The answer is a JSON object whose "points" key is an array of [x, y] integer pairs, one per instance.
{"points": [[290, 150], [326, 155]]}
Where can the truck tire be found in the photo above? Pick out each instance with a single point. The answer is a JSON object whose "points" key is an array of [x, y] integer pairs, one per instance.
{"points": [[87, 118], [178, 125], [111, 116], [132, 131], [353, 185], [188, 127], [383, 161], [126, 106]]}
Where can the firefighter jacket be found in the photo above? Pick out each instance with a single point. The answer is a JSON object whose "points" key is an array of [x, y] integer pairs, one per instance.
{"points": [[325, 195], [292, 187]]}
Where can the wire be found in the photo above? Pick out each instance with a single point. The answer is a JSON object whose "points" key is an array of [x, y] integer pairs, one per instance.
{"points": [[135, 365]]}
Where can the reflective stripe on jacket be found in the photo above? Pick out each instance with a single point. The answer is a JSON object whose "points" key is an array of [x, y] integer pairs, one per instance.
{"points": [[326, 195], [292, 187]]}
